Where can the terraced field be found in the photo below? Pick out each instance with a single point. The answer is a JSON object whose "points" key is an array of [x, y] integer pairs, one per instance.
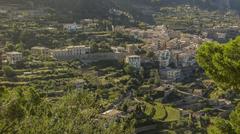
{"points": [[163, 113]]}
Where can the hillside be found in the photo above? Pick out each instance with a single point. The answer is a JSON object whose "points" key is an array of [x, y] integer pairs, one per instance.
{"points": [[139, 9]]}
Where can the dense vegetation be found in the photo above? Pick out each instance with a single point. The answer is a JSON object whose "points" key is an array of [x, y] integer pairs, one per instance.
{"points": [[221, 63], [81, 9], [41, 95], [24, 110]]}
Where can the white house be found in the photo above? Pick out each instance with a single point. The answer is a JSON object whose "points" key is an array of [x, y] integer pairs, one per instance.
{"points": [[14, 57], [42, 52], [164, 58], [170, 74], [134, 60], [70, 52], [118, 49], [70, 27]]}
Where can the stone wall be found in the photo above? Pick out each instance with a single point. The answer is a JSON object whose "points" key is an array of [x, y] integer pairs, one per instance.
{"points": [[94, 57]]}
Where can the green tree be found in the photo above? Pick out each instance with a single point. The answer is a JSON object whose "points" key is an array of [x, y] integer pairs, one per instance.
{"points": [[220, 126], [15, 105], [142, 25], [157, 80], [9, 71], [130, 70], [221, 62], [235, 119], [142, 73], [23, 110], [153, 112], [150, 54], [20, 47], [9, 47]]}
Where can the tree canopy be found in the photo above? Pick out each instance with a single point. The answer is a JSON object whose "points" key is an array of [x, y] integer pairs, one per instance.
{"points": [[24, 110], [221, 62]]}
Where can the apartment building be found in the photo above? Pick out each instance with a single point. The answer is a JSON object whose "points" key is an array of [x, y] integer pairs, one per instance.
{"points": [[70, 52], [41, 52], [134, 60], [14, 57]]}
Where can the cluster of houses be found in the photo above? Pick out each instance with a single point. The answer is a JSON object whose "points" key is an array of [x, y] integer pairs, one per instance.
{"points": [[14, 57], [134, 60], [83, 25], [44, 53], [73, 52], [174, 50]]}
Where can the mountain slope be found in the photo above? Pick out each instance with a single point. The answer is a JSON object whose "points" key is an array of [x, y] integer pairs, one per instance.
{"points": [[140, 9]]}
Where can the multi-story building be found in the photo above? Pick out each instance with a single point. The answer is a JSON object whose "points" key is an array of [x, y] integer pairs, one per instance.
{"points": [[134, 60], [118, 49], [70, 27], [170, 74], [175, 57], [221, 35], [41, 52], [70, 52], [78, 50], [164, 58], [186, 59], [14, 57], [59, 53]]}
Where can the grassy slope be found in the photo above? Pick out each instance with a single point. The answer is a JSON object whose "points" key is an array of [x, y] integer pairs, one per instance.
{"points": [[165, 113], [160, 111], [173, 114]]}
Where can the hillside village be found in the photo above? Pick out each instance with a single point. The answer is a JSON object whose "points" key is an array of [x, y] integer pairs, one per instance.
{"points": [[171, 53], [174, 51], [140, 76]]}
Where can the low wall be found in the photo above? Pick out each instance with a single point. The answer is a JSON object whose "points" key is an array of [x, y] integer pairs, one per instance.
{"points": [[94, 57]]}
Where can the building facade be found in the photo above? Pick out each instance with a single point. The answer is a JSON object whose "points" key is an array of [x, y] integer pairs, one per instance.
{"points": [[41, 52], [164, 58], [70, 52], [14, 57], [118, 49], [171, 74], [70, 27], [134, 60]]}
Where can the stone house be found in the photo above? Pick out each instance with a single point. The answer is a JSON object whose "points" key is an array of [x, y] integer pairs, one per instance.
{"points": [[164, 58], [14, 57], [134, 60], [41, 52], [70, 52], [171, 74], [70, 27]]}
